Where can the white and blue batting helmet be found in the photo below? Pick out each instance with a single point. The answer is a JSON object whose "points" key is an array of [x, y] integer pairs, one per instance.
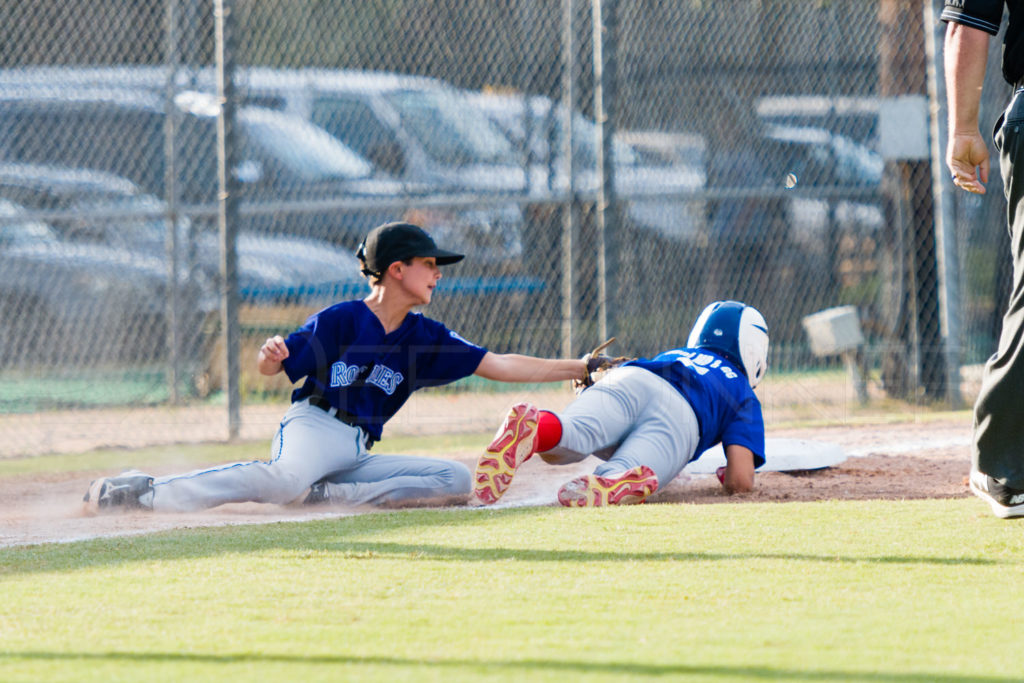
{"points": [[736, 331]]}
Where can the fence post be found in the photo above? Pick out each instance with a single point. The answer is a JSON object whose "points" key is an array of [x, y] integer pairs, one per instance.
{"points": [[605, 20], [945, 217], [571, 205], [227, 213], [902, 71], [171, 195]]}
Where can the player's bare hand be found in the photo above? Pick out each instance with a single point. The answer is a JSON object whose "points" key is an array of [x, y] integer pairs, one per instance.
{"points": [[968, 160], [274, 349]]}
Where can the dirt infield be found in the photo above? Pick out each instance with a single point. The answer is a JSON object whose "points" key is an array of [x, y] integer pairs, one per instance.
{"points": [[922, 458]]}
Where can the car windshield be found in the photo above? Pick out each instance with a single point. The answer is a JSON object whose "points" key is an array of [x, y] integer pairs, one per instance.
{"points": [[584, 137], [21, 232], [855, 163], [450, 130], [305, 149]]}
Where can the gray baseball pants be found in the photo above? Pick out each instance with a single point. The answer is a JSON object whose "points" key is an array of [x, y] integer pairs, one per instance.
{"points": [[311, 445], [631, 417]]}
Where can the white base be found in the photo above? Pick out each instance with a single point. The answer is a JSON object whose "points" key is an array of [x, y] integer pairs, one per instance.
{"points": [[781, 455]]}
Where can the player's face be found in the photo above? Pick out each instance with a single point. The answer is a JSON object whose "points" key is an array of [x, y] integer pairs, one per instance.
{"points": [[420, 277]]}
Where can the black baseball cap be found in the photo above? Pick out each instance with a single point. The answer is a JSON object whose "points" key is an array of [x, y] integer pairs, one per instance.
{"points": [[397, 242]]}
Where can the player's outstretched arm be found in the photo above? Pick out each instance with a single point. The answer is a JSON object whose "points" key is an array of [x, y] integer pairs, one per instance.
{"points": [[512, 367], [738, 476], [273, 351]]}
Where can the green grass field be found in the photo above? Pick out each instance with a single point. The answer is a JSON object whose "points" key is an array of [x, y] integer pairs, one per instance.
{"points": [[830, 591]]}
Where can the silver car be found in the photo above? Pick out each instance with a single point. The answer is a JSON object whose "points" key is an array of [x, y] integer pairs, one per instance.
{"points": [[75, 302], [537, 126]]}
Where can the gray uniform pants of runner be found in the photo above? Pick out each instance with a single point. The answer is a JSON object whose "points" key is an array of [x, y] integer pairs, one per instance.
{"points": [[998, 428], [311, 445], [631, 417]]}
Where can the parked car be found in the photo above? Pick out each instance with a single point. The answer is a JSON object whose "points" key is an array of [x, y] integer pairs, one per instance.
{"points": [[421, 131], [283, 158], [827, 158], [113, 211], [822, 160], [853, 117], [537, 130], [64, 302], [417, 130]]}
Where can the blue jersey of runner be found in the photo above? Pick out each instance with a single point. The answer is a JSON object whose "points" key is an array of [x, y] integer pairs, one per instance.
{"points": [[727, 410], [347, 359]]}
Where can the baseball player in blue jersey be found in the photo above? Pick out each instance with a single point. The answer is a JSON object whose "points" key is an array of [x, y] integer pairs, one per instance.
{"points": [[359, 361], [648, 418]]}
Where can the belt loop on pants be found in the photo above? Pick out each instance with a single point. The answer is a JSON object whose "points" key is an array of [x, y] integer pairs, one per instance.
{"points": [[341, 416]]}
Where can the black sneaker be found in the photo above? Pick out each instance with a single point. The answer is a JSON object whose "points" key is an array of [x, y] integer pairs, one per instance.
{"points": [[317, 494], [1004, 501], [121, 491]]}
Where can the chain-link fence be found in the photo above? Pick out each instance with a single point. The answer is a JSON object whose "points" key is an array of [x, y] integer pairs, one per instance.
{"points": [[693, 151]]}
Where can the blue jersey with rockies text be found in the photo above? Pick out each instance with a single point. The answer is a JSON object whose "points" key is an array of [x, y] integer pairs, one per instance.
{"points": [[727, 410], [347, 359]]}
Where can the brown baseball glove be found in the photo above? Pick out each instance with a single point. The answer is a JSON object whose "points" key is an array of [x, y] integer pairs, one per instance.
{"points": [[597, 365]]}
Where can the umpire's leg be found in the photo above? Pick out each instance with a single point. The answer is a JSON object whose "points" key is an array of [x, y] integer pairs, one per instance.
{"points": [[998, 428]]}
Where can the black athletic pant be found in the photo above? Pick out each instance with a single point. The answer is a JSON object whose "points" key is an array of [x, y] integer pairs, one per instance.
{"points": [[999, 413]]}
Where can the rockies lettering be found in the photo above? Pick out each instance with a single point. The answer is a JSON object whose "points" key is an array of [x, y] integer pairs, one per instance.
{"points": [[343, 374], [382, 377], [385, 378]]}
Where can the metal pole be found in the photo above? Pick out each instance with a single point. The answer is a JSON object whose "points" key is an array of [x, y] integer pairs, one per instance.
{"points": [[227, 215], [171, 195], [945, 215], [605, 19], [569, 209]]}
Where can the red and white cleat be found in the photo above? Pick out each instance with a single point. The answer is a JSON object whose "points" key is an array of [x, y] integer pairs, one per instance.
{"points": [[513, 445], [631, 487]]}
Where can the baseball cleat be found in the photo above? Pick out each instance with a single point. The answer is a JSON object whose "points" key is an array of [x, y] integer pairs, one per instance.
{"points": [[512, 446], [318, 494], [122, 491], [631, 487]]}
